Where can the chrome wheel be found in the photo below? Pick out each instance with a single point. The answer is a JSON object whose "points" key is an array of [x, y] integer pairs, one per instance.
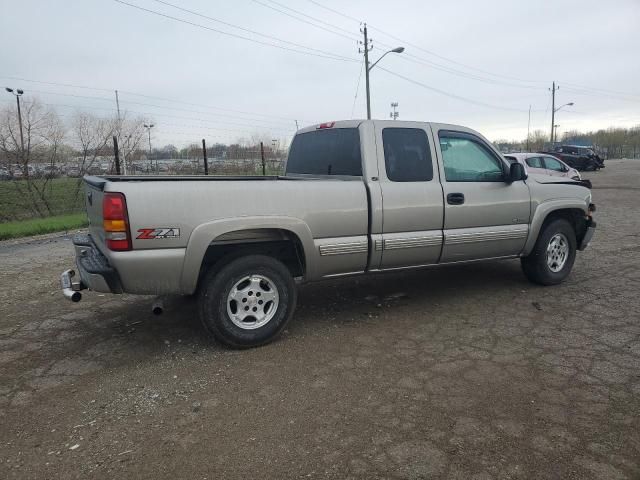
{"points": [[557, 252], [252, 302]]}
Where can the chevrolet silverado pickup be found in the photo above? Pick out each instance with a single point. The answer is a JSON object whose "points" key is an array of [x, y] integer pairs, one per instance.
{"points": [[356, 197]]}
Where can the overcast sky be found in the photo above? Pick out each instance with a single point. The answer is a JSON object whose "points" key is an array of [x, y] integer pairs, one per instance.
{"points": [[476, 63]]}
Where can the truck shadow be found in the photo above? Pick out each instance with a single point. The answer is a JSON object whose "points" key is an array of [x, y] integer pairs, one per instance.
{"points": [[110, 333]]}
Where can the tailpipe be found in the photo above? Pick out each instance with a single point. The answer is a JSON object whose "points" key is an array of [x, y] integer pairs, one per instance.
{"points": [[158, 306], [70, 290]]}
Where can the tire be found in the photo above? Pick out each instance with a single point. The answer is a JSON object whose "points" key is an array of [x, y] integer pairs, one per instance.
{"points": [[551, 268], [262, 285]]}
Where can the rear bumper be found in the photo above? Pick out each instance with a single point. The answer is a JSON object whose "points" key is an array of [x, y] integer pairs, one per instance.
{"points": [[588, 235], [145, 272], [93, 267]]}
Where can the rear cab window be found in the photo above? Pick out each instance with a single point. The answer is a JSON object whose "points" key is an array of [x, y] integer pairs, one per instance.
{"points": [[326, 152], [407, 155]]}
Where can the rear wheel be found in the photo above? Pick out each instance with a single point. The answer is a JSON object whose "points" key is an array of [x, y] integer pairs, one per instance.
{"points": [[247, 302], [553, 255]]}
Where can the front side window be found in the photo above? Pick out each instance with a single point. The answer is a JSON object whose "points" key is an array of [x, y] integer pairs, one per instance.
{"points": [[326, 152], [553, 164], [467, 160], [535, 162], [407, 157]]}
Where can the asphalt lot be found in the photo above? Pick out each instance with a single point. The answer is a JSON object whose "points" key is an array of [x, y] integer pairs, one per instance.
{"points": [[466, 372]]}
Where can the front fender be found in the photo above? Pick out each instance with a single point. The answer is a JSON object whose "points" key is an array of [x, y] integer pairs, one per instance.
{"points": [[204, 234], [543, 210]]}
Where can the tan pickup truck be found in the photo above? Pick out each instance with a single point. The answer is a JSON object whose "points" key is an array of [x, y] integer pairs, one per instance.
{"points": [[357, 197]]}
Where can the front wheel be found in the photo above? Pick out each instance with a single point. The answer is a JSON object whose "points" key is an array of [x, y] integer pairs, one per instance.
{"points": [[247, 302], [553, 255]]}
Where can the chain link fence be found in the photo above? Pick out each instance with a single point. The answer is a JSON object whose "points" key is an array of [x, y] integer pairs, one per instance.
{"points": [[47, 190]]}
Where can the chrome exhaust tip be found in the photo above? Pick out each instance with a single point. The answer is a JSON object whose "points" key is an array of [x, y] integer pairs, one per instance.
{"points": [[157, 307], [70, 290], [72, 295]]}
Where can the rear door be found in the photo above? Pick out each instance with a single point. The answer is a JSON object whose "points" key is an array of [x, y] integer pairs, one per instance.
{"points": [[411, 195], [484, 216]]}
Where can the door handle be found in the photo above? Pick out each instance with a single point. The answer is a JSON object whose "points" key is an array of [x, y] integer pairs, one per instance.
{"points": [[455, 198]]}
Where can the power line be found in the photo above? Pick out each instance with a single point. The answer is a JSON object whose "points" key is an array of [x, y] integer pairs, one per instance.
{"points": [[335, 11], [154, 106], [302, 20], [442, 57], [410, 57], [154, 114], [451, 95], [192, 12], [316, 19], [235, 35], [355, 97], [613, 92], [110, 90], [593, 93]]}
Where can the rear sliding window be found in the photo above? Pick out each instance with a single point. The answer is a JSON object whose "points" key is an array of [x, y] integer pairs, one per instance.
{"points": [[326, 152]]}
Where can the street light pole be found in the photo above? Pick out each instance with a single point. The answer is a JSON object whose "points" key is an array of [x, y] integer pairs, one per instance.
{"points": [[555, 137], [18, 93], [149, 127], [368, 67]]}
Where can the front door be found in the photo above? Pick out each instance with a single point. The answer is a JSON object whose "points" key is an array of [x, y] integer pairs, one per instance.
{"points": [[484, 215], [554, 167]]}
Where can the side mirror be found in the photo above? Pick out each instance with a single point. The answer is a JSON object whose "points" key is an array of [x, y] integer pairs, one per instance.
{"points": [[517, 172]]}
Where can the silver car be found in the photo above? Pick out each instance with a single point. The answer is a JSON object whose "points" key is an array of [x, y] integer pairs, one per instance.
{"points": [[544, 164]]}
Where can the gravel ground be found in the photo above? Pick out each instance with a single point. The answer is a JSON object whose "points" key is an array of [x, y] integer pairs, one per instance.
{"points": [[466, 372]]}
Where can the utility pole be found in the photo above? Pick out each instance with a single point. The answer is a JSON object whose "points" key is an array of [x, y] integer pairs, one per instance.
{"points": [[204, 154], [366, 49], [553, 110], [115, 154], [394, 115], [124, 155], [264, 171], [528, 127]]}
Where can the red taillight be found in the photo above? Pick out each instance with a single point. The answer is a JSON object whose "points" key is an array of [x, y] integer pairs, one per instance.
{"points": [[115, 221], [326, 125]]}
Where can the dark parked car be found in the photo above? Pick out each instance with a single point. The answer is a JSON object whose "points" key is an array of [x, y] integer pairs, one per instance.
{"points": [[578, 157]]}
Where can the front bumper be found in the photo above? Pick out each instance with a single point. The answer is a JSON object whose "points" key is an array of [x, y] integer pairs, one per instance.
{"points": [[588, 234], [93, 268]]}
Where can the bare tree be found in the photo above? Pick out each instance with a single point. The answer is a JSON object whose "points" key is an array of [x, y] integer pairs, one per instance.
{"points": [[92, 135], [131, 134], [43, 134]]}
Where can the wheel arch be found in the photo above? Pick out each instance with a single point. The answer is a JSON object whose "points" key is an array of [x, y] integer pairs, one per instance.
{"points": [[574, 212], [214, 243]]}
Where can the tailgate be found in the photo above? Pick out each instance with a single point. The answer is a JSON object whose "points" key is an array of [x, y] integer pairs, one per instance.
{"points": [[94, 191]]}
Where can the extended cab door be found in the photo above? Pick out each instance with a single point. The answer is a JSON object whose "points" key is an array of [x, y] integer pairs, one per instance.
{"points": [[411, 196], [484, 216]]}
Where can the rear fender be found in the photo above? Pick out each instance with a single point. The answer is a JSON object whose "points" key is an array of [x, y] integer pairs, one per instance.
{"points": [[204, 234]]}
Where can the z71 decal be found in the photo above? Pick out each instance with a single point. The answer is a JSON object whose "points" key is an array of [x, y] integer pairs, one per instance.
{"points": [[154, 233]]}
